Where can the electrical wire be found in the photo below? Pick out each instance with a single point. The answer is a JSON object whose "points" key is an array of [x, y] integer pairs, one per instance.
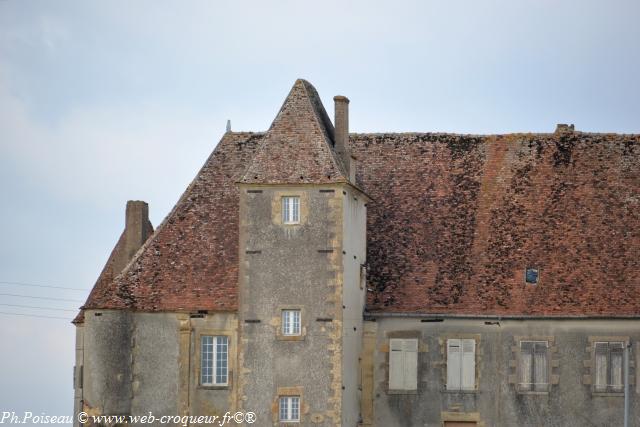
{"points": [[40, 286], [33, 297], [34, 315], [41, 308]]}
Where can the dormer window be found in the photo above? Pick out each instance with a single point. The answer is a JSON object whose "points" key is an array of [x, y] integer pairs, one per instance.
{"points": [[291, 210], [531, 276]]}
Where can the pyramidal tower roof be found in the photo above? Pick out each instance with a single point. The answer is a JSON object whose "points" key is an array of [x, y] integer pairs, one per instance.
{"points": [[298, 147]]}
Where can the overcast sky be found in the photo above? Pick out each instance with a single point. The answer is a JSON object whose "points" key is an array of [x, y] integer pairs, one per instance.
{"points": [[106, 101]]}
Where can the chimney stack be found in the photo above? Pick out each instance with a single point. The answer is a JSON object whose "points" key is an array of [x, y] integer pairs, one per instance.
{"points": [[562, 128], [137, 229], [341, 108]]}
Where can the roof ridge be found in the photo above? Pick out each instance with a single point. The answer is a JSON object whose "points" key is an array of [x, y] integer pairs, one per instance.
{"points": [[338, 163]]}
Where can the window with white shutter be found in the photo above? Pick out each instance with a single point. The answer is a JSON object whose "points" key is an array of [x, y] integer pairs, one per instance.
{"points": [[403, 364], [461, 364], [534, 368], [608, 366]]}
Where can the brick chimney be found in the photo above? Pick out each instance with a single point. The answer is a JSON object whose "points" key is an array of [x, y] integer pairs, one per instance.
{"points": [[341, 108]]}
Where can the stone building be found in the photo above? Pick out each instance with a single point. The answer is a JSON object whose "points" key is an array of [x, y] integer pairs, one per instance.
{"points": [[318, 277]]}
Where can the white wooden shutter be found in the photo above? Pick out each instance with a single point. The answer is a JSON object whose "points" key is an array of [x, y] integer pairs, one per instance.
{"points": [[396, 364], [454, 364], [468, 364], [410, 348]]}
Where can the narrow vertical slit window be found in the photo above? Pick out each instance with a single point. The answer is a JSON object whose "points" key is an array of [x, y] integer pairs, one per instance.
{"points": [[214, 360], [290, 409], [291, 322], [291, 210]]}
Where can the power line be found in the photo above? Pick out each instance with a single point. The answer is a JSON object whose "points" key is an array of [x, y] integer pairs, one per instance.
{"points": [[40, 286], [33, 315], [49, 298], [42, 308]]}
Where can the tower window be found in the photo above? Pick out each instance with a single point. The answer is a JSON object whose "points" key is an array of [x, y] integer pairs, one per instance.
{"points": [[531, 276], [291, 210], [290, 322], [290, 409]]}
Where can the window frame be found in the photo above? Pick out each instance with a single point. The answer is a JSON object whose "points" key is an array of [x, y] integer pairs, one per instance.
{"points": [[289, 409], [407, 352], [461, 375], [608, 388], [290, 205], [214, 361], [285, 325], [534, 387]]}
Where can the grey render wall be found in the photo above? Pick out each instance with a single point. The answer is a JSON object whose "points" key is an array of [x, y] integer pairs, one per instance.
{"points": [[284, 266], [136, 363], [354, 225], [570, 402], [107, 362]]}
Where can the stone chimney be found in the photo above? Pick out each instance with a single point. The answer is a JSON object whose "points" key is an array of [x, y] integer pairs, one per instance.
{"points": [[341, 108], [564, 128], [137, 230]]}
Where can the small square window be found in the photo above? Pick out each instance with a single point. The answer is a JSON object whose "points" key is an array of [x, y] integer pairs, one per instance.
{"points": [[531, 276], [290, 322], [290, 409], [291, 210]]}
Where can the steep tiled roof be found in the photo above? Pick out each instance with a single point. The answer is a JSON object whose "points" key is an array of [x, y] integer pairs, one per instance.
{"points": [[191, 262], [456, 220], [297, 148]]}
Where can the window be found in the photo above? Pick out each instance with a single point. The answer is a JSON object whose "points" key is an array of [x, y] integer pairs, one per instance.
{"points": [[534, 370], [214, 366], [291, 210], [290, 322], [290, 408], [608, 372], [531, 276], [461, 364], [403, 364]]}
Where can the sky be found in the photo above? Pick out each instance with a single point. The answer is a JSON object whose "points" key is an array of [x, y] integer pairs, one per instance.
{"points": [[107, 101]]}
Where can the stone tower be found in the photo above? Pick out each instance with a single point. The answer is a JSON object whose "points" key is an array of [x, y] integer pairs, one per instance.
{"points": [[302, 255]]}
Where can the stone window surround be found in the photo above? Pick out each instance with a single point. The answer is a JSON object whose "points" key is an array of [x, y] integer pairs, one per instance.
{"points": [[277, 323], [275, 408], [230, 367], [276, 206], [552, 365], [442, 340], [589, 364], [385, 349], [448, 416]]}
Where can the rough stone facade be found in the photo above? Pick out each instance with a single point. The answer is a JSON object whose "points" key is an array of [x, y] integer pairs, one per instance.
{"points": [[422, 240]]}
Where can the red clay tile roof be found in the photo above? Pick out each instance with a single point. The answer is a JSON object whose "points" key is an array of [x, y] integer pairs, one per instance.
{"points": [[454, 222], [297, 148], [191, 261]]}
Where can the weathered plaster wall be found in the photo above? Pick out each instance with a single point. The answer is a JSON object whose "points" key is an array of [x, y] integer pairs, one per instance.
{"points": [[353, 297], [291, 266], [570, 401], [107, 362], [136, 363]]}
